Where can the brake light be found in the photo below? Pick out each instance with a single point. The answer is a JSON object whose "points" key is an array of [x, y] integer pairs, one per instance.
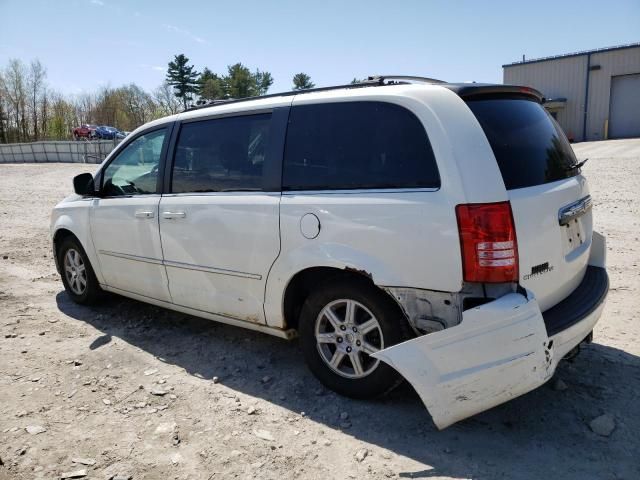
{"points": [[488, 242]]}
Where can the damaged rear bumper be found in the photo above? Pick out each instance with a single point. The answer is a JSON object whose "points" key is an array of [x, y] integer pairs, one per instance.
{"points": [[499, 351]]}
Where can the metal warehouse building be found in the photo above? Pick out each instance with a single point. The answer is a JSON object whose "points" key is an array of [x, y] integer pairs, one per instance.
{"points": [[594, 95]]}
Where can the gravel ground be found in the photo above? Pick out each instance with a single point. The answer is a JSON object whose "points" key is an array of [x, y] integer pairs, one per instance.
{"points": [[131, 389]]}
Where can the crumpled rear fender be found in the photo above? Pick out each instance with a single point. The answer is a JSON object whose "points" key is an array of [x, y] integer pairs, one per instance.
{"points": [[499, 351]]}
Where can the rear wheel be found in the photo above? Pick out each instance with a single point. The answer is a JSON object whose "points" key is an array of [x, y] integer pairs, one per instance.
{"points": [[342, 323], [78, 277]]}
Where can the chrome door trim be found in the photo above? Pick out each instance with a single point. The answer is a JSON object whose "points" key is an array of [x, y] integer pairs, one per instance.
{"points": [[574, 210], [184, 266], [127, 256], [221, 271]]}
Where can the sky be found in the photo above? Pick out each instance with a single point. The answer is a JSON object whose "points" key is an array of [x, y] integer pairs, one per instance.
{"points": [[86, 44]]}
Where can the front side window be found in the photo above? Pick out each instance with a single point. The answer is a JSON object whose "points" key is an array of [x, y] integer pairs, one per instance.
{"points": [[134, 171], [357, 145], [221, 155]]}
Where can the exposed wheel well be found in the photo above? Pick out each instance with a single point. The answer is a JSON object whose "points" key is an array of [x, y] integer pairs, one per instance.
{"points": [[304, 281], [58, 238]]}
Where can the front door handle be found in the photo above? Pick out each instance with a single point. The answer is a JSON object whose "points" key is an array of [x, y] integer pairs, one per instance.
{"points": [[170, 215], [144, 214]]}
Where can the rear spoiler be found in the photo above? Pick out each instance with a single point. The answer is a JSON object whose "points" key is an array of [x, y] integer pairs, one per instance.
{"points": [[472, 91]]}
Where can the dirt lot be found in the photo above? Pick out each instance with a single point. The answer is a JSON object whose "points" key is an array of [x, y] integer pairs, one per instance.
{"points": [[85, 378]]}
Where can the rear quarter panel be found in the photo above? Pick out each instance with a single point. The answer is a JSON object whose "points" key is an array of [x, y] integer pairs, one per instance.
{"points": [[407, 238]]}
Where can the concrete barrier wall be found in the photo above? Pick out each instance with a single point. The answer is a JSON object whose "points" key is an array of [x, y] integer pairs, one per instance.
{"points": [[46, 152]]}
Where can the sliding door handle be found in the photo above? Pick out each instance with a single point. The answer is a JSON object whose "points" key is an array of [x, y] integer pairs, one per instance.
{"points": [[170, 215]]}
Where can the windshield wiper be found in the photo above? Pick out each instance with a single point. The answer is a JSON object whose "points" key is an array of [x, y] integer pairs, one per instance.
{"points": [[576, 166]]}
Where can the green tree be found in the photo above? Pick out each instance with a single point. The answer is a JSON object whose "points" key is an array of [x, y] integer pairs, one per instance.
{"points": [[183, 78], [241, 83], [302, 81], [263, 80], [357, 80], [210, 85]]}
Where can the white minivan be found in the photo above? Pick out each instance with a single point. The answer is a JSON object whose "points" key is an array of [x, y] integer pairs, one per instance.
{"points": [[440, 233]]}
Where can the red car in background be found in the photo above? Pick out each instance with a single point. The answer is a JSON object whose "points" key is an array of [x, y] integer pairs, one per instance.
{"points": [[84, 131]]}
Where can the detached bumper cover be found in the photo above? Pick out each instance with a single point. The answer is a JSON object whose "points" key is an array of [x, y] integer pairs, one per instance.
{"points": [[500, 350]]}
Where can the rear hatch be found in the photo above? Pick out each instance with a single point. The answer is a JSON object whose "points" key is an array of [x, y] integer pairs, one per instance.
{"points": [[549, 196]]}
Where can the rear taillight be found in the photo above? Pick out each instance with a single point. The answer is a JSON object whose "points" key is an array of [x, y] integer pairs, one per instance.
{"points": [[488, 242]]}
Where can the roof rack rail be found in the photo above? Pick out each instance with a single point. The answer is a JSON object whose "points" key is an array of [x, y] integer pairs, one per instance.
{"points": [[213, 103], [372, 81], [403, 78], [209, 103]]}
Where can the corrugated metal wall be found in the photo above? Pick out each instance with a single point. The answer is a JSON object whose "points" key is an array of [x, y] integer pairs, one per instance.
{"points": [[65, 151], [566, 77], [616, 62], [562, 77]]}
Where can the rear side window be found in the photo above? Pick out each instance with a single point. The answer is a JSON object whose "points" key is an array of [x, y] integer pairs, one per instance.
{"points": [[528, 144], [221, 155], [355, 145]]}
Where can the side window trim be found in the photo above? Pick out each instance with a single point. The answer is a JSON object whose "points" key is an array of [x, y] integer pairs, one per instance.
{"points": [[167, 164], [168, 127], [273, 160]]}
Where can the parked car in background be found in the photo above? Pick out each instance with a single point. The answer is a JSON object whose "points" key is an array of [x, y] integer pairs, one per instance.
{"points": [[120, 135], [106, 133], [84, 131], [438, 232]]}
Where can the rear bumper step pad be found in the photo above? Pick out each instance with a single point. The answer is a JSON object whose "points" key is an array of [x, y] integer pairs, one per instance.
{"points": [[585, 299]]}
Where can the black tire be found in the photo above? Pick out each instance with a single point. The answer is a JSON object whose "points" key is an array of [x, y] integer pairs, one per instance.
{"points": [[91, 291], [393, 327]]}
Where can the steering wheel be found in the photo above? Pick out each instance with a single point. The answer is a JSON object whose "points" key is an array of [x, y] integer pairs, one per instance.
{"points": [[113, 189]]}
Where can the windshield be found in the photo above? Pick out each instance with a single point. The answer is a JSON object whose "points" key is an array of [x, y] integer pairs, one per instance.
{"points": [[528, 144]]}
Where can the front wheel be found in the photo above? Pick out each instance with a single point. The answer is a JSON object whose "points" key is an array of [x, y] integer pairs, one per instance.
{"points": [[342, 323], [78, 277]]}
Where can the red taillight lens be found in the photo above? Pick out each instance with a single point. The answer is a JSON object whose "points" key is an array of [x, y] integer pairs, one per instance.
{"points": [[488, 242]]}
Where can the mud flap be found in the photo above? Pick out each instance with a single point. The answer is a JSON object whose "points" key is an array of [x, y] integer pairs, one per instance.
{"points": [[499, 351]]}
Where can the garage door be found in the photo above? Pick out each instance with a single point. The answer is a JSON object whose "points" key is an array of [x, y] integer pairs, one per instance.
{"points": [[624, 114]]}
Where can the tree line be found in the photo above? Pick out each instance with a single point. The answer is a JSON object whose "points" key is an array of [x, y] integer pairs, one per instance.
{"points": [[237, 82], [31, 110]]}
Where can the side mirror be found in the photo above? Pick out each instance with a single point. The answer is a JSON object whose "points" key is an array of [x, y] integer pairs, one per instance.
{"points": [[83, 184]]}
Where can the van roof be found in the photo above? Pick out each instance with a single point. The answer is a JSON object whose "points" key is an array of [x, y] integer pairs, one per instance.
{"points": [[464, 90]]}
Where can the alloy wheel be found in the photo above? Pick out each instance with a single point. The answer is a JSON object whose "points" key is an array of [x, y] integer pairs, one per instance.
{"points": [[75, 271], [347, 333]]}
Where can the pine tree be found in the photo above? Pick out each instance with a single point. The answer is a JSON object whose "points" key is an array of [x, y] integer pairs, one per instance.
{"points": [[263, 80], [183, 78], [241, 83], [302, 81], [211, 85]]}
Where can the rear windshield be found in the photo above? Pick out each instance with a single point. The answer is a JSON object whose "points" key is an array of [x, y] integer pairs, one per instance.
{"points": [[528, 144]]}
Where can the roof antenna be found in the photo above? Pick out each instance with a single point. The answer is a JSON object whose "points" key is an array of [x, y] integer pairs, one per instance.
{"points": [[523, 57]]}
